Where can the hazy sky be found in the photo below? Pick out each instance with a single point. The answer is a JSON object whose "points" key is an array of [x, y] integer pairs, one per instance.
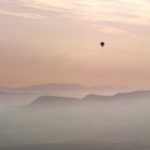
{"points": [[43, 41]]}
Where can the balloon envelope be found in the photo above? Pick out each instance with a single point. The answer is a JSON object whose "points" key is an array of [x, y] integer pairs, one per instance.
{"points": [[102, 44]]}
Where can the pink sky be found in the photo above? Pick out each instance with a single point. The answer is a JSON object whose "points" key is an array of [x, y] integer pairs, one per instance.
{"points": [[45, 41]]}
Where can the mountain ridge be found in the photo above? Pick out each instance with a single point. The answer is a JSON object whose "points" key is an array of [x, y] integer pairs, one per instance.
{"points": [[120, 95], [92, 97]]}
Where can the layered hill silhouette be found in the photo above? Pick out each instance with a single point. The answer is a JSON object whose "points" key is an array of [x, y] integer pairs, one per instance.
{"points": [[128, 95], [23, 95], [48, 100], [45, 88], [91, 118], [56, 88]]}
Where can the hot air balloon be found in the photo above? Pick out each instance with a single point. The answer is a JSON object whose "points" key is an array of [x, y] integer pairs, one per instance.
{"points": [[102, 44]]}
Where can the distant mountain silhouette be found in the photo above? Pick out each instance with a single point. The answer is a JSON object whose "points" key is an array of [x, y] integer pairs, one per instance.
{"points": [[134, 94], [48, 100], [54, 118], [96, 97], [68, 90], [10, 98], [25, 95], [128, 95]]}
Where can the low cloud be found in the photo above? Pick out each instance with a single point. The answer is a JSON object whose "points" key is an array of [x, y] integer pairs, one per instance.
{"points": [[121, 11], [23, 15]]}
